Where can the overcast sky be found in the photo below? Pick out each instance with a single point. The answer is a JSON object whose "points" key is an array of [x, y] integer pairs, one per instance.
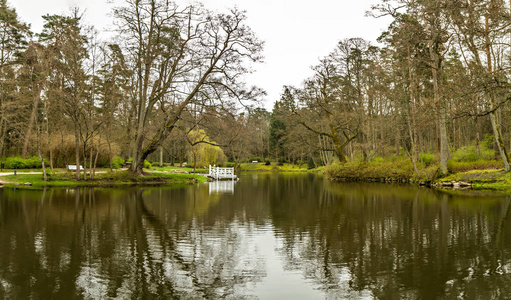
{"points": [[296, 32]]}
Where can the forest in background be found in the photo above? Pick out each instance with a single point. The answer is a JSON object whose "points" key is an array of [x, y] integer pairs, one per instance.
{"points": [[169, 86]]}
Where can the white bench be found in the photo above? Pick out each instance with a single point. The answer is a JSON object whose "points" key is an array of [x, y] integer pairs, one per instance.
{"points": [[73, 168]]}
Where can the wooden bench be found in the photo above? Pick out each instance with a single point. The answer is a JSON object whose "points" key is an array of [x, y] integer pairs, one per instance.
{"points": [[73, 168]]}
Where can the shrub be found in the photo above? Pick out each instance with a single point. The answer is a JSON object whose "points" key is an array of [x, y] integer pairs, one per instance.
{"points": [[15, 163], [377, 159], [487, 141], [267, 163], [24, 163], [117, 162], [469, 153], [258, 159], [463, 166], [427, 159], [230, 164], [147, 164], [310, 164]]}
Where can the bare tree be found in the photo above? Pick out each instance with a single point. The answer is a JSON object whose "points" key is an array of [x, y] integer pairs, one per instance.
{"points": [[177, 54]]}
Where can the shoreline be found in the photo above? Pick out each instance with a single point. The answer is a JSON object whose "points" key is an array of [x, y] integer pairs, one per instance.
{"points": [[102, 179], [488, 179]]}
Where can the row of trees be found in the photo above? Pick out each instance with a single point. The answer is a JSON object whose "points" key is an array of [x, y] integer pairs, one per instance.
{"points": [[170, 81], [439, 82], [169, 72]]}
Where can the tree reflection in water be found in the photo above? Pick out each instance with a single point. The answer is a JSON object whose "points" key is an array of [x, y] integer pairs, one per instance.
{"points": [[299, 233]]}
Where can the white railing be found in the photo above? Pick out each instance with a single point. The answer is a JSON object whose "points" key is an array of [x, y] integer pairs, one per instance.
{"points": [[221, 173], [221, 187]]}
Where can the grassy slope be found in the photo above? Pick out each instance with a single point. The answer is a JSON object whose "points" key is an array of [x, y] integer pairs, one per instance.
{"points": [[496, 179], [274, 167], [116, 178], [481, 174]]}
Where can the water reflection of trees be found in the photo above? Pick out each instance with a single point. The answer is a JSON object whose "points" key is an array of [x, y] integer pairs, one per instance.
{"points": [[126, 244], [396, 242], [352, 240]]}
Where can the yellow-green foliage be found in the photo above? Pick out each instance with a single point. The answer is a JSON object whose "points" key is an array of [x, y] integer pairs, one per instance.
{"points": [[481, 164], [397, 168], [494, 179], [286, 167], [204, 154], [471, 153]]}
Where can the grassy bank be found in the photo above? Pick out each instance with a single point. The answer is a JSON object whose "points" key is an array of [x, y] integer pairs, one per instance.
{"points": [[481, 174], [493, 179], [116, 178], [393, 169], [262, 167]]}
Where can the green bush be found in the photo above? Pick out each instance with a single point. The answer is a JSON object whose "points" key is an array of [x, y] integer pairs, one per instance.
{"points": [[310, 164], [487, 141], [15, 163], [377, 159], [258, 159], [147, 165], [427, 159], [267, 163], [117, 162], [24, 163], [469, 153], [463, 166], [230, 164]]}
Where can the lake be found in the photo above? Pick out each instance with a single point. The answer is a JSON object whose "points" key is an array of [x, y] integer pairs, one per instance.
{"points": [[267, 236]]}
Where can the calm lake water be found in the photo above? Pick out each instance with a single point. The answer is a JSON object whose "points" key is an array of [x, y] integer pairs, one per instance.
{"points": [[268, 236]]}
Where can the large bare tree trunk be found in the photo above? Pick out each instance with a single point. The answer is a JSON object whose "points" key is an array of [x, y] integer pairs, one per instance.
{"points": [[161, 156], [500, 142], [444, 149], [31, 122], [411, 120], [45, 178], [77, 153], [3, 132], [494, 122]]}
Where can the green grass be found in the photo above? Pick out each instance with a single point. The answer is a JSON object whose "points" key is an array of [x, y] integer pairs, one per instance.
{"points": [[119, 178], [483, 174], [400, 168], [490, 179], [481, 164]]}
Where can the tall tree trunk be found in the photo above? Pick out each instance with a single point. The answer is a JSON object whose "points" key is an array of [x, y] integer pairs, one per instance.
{"points": [[500, 142], [411, 120], [161, 156], [45, 178], [77, 153], [494, 122], [3, 133], [31, 122], [444, 148]]}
